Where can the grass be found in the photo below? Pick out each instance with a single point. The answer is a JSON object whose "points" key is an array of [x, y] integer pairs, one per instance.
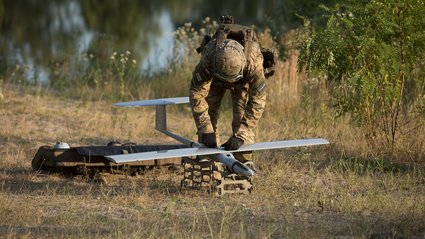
{"points": [[315, 192]]}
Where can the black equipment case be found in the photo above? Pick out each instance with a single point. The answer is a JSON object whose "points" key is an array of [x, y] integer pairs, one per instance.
{"points": [[48, 157]]}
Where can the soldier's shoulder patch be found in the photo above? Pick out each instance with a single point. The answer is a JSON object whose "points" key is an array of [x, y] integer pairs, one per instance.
{"points": [[198, 77], [258, 84], [261, 87], [206, 72], [254, 79]]}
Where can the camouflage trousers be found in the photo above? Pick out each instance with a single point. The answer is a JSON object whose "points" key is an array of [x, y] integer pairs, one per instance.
{"points": [[239, 99]]}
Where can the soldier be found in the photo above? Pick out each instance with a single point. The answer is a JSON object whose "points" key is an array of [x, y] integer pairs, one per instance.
{"points": [[231, 60]]}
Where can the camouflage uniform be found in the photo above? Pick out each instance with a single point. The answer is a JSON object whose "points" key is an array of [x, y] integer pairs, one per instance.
{"points": [[248, 95]]}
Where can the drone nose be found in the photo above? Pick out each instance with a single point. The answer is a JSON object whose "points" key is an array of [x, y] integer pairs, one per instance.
{"points": [[242, 169]]}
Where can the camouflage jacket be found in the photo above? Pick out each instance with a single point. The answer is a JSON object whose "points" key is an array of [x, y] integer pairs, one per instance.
{"points": [[252, 82]]}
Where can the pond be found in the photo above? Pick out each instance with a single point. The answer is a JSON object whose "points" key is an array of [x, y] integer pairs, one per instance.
{"points": [[44, 34]]}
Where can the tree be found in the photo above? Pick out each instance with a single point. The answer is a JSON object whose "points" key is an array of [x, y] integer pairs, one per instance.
{"points": [[373, 53]]}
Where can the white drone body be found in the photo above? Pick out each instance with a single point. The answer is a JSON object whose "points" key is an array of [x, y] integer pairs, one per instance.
{"points": [[197, 149]]}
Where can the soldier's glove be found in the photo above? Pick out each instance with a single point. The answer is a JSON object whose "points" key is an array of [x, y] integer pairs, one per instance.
{"points": [[209, 140], [233, 143]]}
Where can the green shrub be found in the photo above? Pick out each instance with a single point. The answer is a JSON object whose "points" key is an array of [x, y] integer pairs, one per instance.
{"points": [[372, 56]]}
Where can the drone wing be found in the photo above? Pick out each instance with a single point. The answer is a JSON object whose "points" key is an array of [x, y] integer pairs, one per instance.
{"points": [[155, 102], [161, 125], [186, 152]]}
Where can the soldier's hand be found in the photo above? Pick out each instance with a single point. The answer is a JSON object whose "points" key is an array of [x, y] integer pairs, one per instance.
{"points": [[209, 140], [233, 143]]}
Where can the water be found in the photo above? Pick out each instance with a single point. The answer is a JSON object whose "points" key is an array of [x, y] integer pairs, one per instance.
{"points": [[47, 35]]}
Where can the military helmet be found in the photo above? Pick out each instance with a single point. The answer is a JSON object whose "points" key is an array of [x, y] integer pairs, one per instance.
{"points": [[229, 61]]}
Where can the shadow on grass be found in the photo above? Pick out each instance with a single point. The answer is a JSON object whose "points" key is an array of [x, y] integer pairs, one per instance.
{"points": [[362, 166], [49, 230], [21, 181], [318, 159], [15, 139]]}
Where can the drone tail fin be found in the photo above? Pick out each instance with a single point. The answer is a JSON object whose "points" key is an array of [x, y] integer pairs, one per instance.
{"points": [[161, 114]]}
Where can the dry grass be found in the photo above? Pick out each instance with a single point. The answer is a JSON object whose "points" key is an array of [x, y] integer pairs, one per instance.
{"points": [[316, 192]]}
